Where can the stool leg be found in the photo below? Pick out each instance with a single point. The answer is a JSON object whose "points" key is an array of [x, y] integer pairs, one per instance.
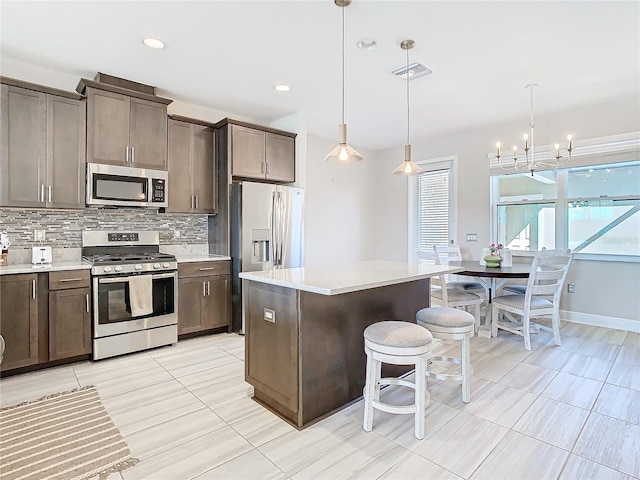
{"points": [[377, 371], [420, 398], [369, 389], [465, 355]]}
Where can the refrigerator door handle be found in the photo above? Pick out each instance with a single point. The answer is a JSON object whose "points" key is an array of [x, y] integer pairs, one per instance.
{"points": [[272, 230]]}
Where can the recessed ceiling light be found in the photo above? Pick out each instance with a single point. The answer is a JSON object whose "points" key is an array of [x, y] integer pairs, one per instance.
{"points": [[153, 43], [366, 44], [281, 87]]}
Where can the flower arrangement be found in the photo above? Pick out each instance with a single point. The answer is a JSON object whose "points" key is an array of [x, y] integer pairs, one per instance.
{"points": [[495, 249]]}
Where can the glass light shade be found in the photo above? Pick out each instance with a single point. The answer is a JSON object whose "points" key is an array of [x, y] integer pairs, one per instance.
{"points": [[343, 151], [408, 167]]}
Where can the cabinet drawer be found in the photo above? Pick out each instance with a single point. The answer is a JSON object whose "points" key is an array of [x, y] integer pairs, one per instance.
{"points": [[68, 279], [201, 269]]}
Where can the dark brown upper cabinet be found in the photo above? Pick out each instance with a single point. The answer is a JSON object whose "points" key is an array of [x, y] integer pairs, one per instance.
{"points": [[42, 153], [125, 127], [259, 153], [192, 172]]}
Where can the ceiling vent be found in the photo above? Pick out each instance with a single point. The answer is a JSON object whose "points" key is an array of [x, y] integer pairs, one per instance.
{"points": [[415, 70]]}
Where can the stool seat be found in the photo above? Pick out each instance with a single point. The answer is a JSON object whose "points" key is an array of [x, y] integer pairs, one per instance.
{"points": [[445, 317], [396, 343], [397, 334]]}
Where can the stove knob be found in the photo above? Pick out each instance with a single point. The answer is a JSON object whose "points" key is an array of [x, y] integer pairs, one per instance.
{"points": [[156, 266], [117, 268], [166, 265], [107, 269], [137, 266]]}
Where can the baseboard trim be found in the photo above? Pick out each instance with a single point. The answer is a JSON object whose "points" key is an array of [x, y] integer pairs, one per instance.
{"points": [[601, 321]]}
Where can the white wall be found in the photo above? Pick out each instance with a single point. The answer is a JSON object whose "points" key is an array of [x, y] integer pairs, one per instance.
{"points": [[341, 219], [597, 283]]}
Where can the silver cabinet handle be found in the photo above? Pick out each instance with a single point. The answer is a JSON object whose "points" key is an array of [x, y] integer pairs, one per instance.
{"points": [[204, 292], [262, 167], [208, 288], [50, 196], [196, 201], [33, 289], [267, 164], [133, 154], [192, 201], [206, 268], [70, 279], [42, 192], [126, 153], [87, 297]]}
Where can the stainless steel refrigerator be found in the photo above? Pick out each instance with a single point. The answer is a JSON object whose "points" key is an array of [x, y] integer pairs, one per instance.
{"points": [[267, 232]]}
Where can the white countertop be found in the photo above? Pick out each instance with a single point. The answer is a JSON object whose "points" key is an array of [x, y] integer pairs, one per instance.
{"points": [[350, 277], [53, 267], [201, 258]]}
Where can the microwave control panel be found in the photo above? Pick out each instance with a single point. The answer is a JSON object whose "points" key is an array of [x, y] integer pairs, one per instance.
{"points": [[157, 190]]}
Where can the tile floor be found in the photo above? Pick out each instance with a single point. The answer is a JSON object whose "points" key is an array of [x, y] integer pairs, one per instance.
{"points": [[567, 412]]}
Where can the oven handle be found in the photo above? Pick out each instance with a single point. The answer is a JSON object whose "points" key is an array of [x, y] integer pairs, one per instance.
{"points": [[124, 279]]}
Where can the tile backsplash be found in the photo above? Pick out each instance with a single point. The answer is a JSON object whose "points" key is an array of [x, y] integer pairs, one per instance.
{"points": [[63, 228]]}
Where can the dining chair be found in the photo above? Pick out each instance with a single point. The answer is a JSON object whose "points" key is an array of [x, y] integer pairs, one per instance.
{"points": [[541, 298], [443, 255], [447, 296]]}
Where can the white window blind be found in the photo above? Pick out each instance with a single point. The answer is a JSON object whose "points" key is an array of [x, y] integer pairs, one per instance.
{"points": [[433, 209]]}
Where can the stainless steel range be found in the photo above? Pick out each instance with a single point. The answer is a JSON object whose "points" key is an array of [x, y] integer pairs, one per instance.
{"points": [[135, 292]]}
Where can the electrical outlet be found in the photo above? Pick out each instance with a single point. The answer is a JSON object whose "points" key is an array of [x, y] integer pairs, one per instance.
{"points": [[472, 237], [571, 288], [39, 235]]}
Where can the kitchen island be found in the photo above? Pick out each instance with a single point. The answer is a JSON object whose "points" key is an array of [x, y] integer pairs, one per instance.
{"points": [[304, 330]]}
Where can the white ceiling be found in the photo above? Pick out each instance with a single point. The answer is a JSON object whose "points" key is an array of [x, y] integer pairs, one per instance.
{"points": [[228, 55]]}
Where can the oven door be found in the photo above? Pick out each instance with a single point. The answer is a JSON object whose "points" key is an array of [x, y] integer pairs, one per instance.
{"points": [[112, 305]]}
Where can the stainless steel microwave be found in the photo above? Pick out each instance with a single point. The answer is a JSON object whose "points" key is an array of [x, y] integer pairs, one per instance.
{"points": [[126, 186]]}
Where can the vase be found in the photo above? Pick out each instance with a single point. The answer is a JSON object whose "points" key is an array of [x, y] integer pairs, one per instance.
{"points": [[492, 260]]}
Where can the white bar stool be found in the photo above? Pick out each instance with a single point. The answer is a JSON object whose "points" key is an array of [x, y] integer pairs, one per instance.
{"points": [[448, 323], [396, 343]]}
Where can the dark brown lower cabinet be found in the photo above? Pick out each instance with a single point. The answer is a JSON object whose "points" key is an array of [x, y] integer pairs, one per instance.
{"points": [[69, 323], [19, 320], [44, 317], [204, 296]]}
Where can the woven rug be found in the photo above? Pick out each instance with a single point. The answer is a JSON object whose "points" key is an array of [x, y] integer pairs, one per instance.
{"points": [[68, 435]]}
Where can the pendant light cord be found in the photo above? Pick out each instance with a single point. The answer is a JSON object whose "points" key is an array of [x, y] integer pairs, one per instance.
{"points": [[342, 64], [407, 74]]}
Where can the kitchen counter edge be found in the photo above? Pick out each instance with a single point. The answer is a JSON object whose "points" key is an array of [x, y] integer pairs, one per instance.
{"points": [[54, 267], [201, 258], [303, 278]]}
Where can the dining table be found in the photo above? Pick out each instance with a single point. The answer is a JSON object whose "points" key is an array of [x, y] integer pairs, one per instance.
{"points": [[492, 278]]}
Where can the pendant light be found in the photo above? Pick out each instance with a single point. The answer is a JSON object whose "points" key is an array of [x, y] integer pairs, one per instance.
{"points": [[343, 151], [407, 167]]}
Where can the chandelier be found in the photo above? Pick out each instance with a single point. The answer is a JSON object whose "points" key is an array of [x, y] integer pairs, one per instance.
{"points": [[528, 159]]}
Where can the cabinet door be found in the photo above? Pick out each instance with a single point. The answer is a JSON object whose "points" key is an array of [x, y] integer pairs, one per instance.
{"points": [[23, 147], [19, 320], [148, 134], [218, 302], [66, 137], [69, 323], [179, 158], [191, 292], [247, 152], [280, 157], [107, 127], [204, 169]]}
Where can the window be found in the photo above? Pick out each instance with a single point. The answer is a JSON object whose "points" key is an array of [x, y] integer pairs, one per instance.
{"points": [[592, 210], [431, 206], [603, 209]]}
